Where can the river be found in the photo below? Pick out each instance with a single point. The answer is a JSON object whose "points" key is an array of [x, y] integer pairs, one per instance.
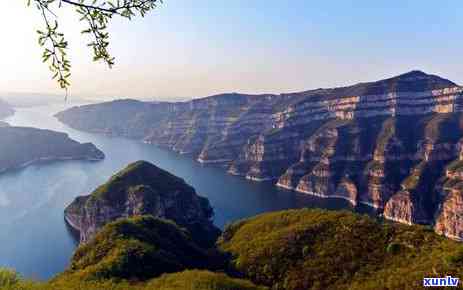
{"points": [[34, 239]]}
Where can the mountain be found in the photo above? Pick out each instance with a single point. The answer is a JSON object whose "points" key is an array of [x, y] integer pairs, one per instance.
{"points": [[140, 189], [5, 110], [393, 144], [315, 249], [21, 146]]}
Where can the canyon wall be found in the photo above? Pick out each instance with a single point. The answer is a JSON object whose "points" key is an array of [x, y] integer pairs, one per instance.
{"points": [[388, 144]]}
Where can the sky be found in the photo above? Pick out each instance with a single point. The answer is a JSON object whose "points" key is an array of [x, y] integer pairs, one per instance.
{"points": [[188, 49]]}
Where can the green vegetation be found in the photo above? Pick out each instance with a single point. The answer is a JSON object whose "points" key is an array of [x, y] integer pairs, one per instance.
{"points": [[96, 15], [146, 189], [200, 280], [138, 248], [135, 174], [192, 279], [315, 249], [287, 250]]}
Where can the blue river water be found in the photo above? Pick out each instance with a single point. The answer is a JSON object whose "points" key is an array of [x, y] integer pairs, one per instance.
{"points": [[34, 239]]}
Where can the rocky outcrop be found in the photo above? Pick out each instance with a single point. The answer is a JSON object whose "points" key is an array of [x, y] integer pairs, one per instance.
{"points": [[143, 189], [385, 144], [20, 146], [449, 216]]}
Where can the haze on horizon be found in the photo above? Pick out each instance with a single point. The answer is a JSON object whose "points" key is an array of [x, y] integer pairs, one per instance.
{"points": [[191, 49]]}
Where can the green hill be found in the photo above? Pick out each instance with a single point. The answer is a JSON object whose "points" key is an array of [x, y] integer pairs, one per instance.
{"points": [[139, 248], [287, 250], [142, 188], [315, 249], [191, 279]]}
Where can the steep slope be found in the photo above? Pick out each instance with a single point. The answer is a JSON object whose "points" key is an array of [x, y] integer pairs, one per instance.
{"points": [[314, 249], [140, 189], [20, 146], [385, 144]]}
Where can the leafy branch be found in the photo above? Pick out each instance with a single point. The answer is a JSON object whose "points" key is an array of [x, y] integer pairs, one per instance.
{"points": [[97, 15]]}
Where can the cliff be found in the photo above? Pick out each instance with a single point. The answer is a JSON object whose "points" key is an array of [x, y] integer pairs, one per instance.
{"points": [[143, 189], [385, 143], [21, 146]]}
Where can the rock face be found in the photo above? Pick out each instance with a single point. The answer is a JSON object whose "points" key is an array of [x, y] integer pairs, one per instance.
{"points": [[5, 109], [449, 216], [385, 144], [143, 189], [20, 146]]}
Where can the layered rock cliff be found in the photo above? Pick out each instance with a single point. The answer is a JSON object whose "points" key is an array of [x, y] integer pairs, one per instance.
{"points": [[21, 146], [386, 144], [143, 189]]}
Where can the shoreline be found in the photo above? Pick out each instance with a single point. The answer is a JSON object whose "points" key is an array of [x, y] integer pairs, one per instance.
{"points": [[46, 159]]}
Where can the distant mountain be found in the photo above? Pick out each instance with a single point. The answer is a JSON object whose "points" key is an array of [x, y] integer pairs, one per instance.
{"points": [[5, 110], [393, 144], [20, 146], [143, 189]]}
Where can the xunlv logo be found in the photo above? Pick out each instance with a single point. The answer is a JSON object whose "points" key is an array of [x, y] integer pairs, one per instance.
{"points": [[441, 282]]}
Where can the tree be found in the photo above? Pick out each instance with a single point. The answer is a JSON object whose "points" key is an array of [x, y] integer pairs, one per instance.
{"points": [[97, 15]]}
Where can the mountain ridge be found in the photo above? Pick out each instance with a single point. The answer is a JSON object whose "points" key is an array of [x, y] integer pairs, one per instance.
{"points": [[386, 143]]}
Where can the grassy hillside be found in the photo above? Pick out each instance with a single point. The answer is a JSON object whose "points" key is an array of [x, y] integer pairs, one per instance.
{"points": [[287, 250], [138, 248], [192, 279], [315, 249]]}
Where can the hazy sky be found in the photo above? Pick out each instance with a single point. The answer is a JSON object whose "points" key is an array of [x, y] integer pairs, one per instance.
{"points": [[197, 48]]}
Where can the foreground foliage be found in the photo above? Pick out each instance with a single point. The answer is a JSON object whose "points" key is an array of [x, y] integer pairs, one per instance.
{"points": [[97, 15], [287, 250], [192, 279], [138, 248], [315, 249]]}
